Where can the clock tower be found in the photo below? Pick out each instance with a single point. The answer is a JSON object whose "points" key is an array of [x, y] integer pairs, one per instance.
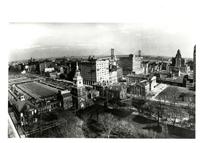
{"points": [[78, 90], [78, 80]]}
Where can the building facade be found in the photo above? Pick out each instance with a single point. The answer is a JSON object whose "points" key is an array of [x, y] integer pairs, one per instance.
{"points": [[126, 63], [79, 96], [178, 65], [96, 70], [194, 66], [137, 65], [140, 84], [66, 99]]}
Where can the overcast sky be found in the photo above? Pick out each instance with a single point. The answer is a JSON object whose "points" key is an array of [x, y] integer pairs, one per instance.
{"points": [[94, 27], [53, 39]]}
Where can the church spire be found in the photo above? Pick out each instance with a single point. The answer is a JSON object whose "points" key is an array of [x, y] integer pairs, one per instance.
{"points": [[178, 59], [178, 53], [77, 66]]}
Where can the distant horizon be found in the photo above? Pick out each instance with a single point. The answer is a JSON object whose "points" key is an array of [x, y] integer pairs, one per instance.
{"points": [[95, 56], [39, 40]]}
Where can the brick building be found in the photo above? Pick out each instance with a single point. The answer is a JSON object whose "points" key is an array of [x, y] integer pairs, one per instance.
{"points": [[95, 70]]}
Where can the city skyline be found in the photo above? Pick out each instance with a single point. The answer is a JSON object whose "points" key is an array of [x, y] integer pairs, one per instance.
{"points": [[44, 40], [100, 70]]}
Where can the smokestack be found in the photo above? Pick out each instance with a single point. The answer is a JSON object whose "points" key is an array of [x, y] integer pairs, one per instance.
{"points": [[139, 53], [112, 53]]}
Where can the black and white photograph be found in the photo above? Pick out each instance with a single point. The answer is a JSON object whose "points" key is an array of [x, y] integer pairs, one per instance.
{"points": [[103, 79]]}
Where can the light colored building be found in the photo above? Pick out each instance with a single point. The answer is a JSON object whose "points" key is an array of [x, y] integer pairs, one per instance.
{"points": [[61, 70], [146, 67], [53, 75], [113, 77], [44, 65], [48, 69], [113, 68], [149, 81], [102, 70], [137, 65], [78, 80], [119, 73]]}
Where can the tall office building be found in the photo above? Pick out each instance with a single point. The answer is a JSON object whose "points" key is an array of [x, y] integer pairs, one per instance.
{"points": [[126, 63], [96, 70], [137, 65], [194, 66], [130, 64]]}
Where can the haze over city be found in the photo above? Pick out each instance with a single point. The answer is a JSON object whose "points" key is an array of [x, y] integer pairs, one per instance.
{"points": [[43, 40]]}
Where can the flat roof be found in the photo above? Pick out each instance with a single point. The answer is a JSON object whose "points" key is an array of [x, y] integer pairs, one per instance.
{"points": [[36, 89]]}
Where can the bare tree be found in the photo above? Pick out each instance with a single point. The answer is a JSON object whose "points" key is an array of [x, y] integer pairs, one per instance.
{"points": [[126, 129], [108, 122], [191, 113], [72, 127], [69, 126]]}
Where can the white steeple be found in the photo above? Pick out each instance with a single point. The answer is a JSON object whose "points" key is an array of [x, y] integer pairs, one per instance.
{"points": [[78, 80], [77, 66]]}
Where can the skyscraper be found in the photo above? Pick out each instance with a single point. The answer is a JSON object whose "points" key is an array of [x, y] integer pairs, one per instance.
{"points": [[194, 66], [96, 70]]}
